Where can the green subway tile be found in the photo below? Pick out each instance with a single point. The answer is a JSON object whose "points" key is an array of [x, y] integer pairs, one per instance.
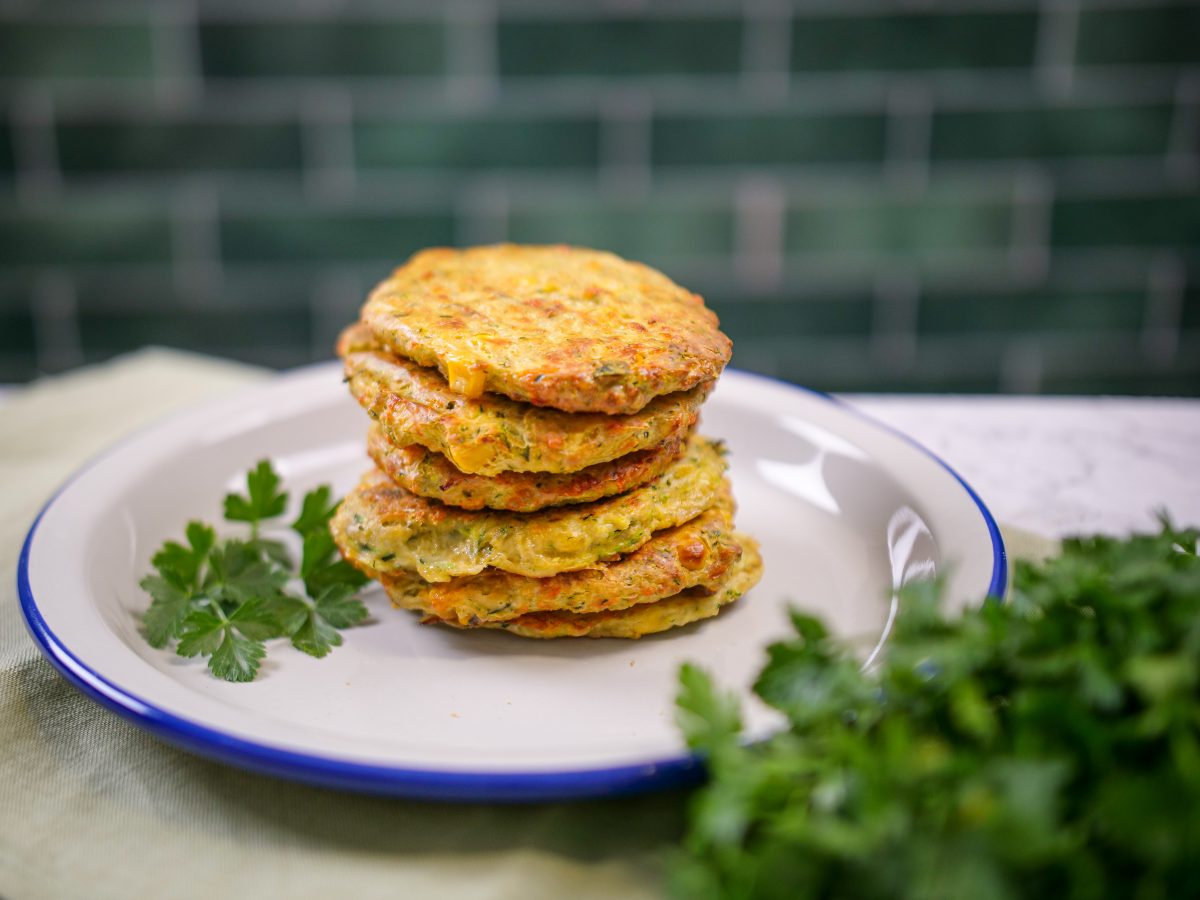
{"points": [[1172, 220], [97, 147], [1190, 315], [1152, 35], [7, 160], [205, 331], [84, 232], [642, 232], [477, 143], [744, 319], [914, 41], [321, 49], [16, 330], [301, 236], [1149, 383], [1052, 132], [41, 50], [620, 47], [1012, 313], [922, 226], [767, 140]]}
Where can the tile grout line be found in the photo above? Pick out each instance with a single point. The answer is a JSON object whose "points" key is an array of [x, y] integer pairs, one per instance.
{"points": [[481, 212], [1022, 366], [175, 52], [333, 303], [58, 345], [472, 52], [196, 242], [908, 136], [327, 145], [1031, 239], [1183, 138], [1054, 52], [766, 54], [759, 233], [895, 311], [388, 11], [35, 146], [626, 133], [956, 90], [1166, 285]]}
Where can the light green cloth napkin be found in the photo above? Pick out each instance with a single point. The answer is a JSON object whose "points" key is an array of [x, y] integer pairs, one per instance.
{"points": [[91, 807]]}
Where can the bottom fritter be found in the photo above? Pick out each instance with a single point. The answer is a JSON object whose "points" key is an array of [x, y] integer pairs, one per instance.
{"points": [[635, 621]]}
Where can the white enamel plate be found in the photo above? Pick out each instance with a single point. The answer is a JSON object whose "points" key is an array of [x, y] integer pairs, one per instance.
{"points": [[845, 510]]}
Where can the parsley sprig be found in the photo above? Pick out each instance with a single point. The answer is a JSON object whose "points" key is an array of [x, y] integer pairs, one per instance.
{"points": [[1047, 746], [225, 598]]}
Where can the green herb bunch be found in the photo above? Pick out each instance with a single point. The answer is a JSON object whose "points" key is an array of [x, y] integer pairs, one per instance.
{"points": [[1045, 747], [224, 598]]}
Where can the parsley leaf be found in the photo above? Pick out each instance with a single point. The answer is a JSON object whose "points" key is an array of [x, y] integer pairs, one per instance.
{"points": [[312, 623], [181, 565], [263, 499], [237, 658], [169, 607], [225, 598], [1047, 746], [321, 566], [709, 719], [239, 574]]}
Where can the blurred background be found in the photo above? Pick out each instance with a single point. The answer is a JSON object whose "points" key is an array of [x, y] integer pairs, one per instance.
{"points": [[971, 195]]}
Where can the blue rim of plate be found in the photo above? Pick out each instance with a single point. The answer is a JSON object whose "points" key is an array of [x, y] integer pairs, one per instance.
{"points": [[431, 784]]}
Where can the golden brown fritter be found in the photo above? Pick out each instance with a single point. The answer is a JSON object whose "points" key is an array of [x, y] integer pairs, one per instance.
{"points": [[644, 618], [565, 327], [381, 527], [492, 434], [430, 474], [697, 553]]}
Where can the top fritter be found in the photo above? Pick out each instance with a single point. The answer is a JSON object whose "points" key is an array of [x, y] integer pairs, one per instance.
{"points": [[573, 329]]}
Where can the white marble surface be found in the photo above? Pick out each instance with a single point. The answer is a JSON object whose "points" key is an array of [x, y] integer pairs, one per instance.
{"points": [[1062, 465]]}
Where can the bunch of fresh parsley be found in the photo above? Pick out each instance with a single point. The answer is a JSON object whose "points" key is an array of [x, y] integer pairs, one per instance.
{"points": [[224, 598], [1044, 747]]}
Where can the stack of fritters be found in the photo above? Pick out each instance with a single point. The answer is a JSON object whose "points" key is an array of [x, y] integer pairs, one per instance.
{"points": [[537, 468]]}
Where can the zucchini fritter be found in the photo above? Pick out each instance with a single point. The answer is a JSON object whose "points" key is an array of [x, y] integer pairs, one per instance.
{"points": [[381, 527], [697, 553], [430, 474], [492, 434], [644, 618], [564, 327]]}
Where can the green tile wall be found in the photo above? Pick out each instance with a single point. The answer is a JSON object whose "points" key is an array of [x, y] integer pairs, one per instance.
{"points": [[914, 41], [289, 49], [305, 238], [179, 146], [931, 225], [873, 196], [478, 142], [84, 232], [105, 332], [779, 140], [71, 50], [1166, 220], [753, 317], [1010, 312], [1053, 132], [620, 47], [1150, 35], [659, 233], [7, 160]]}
